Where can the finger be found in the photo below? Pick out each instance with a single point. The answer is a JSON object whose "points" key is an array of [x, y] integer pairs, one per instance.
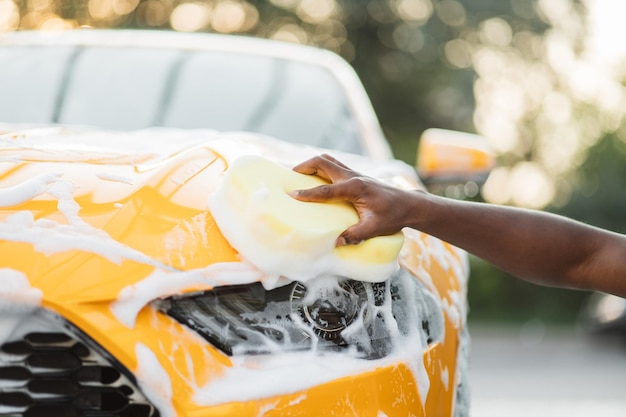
{"points": [[366, 228], [339, 191], [353, 235], [323, 167], [335, 161], [311, 166]]}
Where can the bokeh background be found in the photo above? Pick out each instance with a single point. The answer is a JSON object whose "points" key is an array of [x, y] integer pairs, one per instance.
{"points": [[543, 80]]}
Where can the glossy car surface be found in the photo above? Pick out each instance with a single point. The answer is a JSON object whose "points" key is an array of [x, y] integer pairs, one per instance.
{"points": [[120, 293]]}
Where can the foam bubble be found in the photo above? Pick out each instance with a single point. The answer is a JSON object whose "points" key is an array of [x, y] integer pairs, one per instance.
{"points": [[154, 381], [115, 178], [16, 293], [27, 190], [161, 283]]}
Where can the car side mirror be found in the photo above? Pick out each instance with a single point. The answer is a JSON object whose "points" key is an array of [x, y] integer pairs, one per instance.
{"points": [[450, 158]]}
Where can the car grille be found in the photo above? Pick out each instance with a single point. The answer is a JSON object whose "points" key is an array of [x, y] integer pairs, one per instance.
{"points": [[48, 368]]}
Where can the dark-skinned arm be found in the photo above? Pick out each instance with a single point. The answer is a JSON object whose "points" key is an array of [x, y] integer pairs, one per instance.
{"points": [[536, 246]]}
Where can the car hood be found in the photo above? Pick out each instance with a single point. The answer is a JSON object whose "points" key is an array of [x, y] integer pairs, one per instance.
{"points": [[91, 215], [95, 225]]}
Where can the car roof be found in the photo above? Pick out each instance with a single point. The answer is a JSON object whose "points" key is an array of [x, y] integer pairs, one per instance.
{"points": [[376, 145], [168, 39]]}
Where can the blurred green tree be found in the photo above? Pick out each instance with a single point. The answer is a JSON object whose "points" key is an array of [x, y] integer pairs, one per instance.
{"points": [[599, 198]]}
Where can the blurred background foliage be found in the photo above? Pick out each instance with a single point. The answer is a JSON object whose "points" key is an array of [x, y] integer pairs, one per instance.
{"points": [[543, 80]]}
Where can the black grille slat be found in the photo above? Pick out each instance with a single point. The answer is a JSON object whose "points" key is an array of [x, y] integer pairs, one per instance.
{"points": [[36, 338], [80, 350], [46, 374], [15, 399], [14, 373], [101, 374], [53, 359], [66, 387], [56, 410], [135, 410], [47, 410], [108, 400], [17, 348]]}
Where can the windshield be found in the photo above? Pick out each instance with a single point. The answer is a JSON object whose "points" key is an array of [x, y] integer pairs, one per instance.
{"points": [[132, 88]]}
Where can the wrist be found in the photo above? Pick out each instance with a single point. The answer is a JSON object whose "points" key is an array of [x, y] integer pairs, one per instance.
{"points": [[419, 206]]}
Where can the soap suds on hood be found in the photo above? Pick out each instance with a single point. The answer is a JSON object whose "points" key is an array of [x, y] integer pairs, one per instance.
{"points": [[97, 145], [50, 237], [17, 297], [160, 284], [27, 190], [115, 178], [16, 291]]}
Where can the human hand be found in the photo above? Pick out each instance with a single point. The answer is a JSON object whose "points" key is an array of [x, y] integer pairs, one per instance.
{"points": [[382, 209]]}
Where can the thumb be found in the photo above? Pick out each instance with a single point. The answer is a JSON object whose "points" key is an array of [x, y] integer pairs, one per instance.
{"points": [[353, 235]]}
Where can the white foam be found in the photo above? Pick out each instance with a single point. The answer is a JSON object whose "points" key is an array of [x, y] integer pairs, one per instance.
{"points": [[266, 408], [48, 237], [16, 293], [297, 400], [160, 284], [11, 159], [62, 191], [255, 377], [154, 381], [17, 298], [9, 322], [188, 233], [445, 377], [452, 310], [146, 144], [463, 398], [27, 190], [261, 376], [115, 178]]}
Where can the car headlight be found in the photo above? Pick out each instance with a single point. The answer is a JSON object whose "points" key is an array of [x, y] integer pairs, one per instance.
{"points": [[246, 319], [327, 313]]}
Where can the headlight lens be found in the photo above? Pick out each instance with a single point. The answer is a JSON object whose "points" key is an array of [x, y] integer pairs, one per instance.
{"points": [[328, 313], [330, 309]]}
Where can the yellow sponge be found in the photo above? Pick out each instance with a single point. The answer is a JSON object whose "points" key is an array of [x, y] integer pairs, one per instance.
{"points": [[290, 238]]}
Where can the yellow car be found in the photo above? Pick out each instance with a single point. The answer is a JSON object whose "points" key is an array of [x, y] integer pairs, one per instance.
{"points": [[142, 272]]}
